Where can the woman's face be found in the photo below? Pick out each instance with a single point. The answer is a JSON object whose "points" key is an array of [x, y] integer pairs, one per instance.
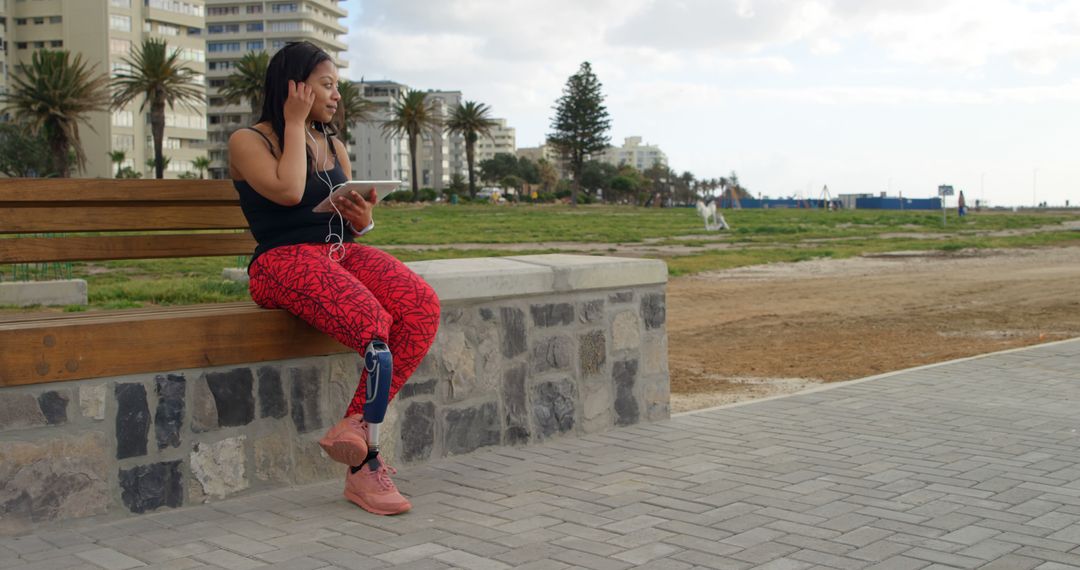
{"points": [[324, 82]]}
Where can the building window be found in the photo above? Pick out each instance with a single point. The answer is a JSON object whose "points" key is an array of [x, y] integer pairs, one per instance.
{"points": [[194, 31], [223, 10], [255, 45], [123, 119], [39, 45], [255, 9], [177, 6], [120, 3], [119, 67], [20, 45], [119, 46], [277, 44], [284, 26], [55, 19], [20, 21], [167, 30], [56, 43], [255, 26], [120, 23], [123, 142], [217, 47], [286, 7], [39, 21]]}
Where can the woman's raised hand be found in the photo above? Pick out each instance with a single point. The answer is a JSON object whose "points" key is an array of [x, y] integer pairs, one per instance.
{"points": [[298, 104]]}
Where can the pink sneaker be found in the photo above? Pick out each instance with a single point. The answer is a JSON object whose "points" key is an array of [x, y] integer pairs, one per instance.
{"points": [[346, 442], [372, 489]]}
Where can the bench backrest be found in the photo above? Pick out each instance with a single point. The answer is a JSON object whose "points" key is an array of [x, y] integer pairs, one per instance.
{"points": [[188, 218]]}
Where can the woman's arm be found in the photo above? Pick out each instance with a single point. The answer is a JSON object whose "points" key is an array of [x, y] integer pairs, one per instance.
{"points": [[280, 180]]}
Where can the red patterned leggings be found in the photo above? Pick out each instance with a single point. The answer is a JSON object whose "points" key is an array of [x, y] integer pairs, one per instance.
{"points": [[369, 294]]}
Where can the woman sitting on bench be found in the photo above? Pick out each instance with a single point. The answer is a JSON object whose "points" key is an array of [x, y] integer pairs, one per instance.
{"points": [[308, 263]]}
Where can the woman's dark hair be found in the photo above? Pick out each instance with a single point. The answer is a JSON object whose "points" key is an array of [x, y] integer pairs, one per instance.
{"points": [[295, 61]]}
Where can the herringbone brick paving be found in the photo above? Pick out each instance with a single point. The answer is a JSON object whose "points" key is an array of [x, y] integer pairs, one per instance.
{"points": [[970, 464]]}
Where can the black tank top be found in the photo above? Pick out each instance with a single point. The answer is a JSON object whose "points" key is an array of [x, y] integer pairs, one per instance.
{"points": [[274, 225]]}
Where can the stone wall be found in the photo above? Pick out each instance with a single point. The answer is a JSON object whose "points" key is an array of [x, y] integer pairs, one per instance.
{"points": [[512, 365]]}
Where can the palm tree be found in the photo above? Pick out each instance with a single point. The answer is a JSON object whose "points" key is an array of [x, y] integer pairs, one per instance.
{"points": [[118, 156], [151, 163], [410, 116], [246, 82], [355, 109], [200, 163], [54, 94], [471, 120], [163, 80]]}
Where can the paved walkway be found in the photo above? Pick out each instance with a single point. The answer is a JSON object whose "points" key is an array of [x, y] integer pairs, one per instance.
{"points": [[969, 464]]}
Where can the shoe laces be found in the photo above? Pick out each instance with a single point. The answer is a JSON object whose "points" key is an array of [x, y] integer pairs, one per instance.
{"points": [[382, 477]]}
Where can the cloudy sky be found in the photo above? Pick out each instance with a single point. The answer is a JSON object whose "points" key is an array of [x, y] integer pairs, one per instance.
{"points": [[859, 95]]}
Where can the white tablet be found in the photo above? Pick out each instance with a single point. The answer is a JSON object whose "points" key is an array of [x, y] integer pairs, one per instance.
{"points": [[383, 188]]}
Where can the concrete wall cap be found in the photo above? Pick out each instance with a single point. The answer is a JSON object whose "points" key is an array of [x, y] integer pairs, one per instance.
{"points": [[494, 277]]}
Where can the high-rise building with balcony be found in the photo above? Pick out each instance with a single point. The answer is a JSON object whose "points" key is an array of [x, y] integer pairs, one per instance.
{"points": [[105, 33], [633, 153], [237, 27], [503, 140]]}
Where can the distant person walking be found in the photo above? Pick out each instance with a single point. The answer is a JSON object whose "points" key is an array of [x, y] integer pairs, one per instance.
{"points": [[961, 205]]}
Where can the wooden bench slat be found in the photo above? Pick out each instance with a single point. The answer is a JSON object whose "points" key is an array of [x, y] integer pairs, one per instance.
{"points": [[104, 189], [120, 218], [17, 320], [61, 351], [93, 248]]}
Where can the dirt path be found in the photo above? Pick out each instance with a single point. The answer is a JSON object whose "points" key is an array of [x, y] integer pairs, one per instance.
{"points": [[765, 330]]}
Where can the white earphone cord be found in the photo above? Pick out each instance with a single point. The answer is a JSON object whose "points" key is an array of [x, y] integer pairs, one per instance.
{"points": [[337, 249]]}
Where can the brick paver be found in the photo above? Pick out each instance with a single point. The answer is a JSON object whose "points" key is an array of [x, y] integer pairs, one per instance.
{"points": [[973, 463]]}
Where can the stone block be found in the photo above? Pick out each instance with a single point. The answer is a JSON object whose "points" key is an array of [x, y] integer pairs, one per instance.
{"points": [[469, 429], [49, 293], [306, 392], [653, 310], [592, 353], [621, 297], [458, 359], [591, 311], [553, 407], [627, 410], [150, 487], [513, 331], [414, 388], [219, 467], [654, 355], [204, 413], [418, 431], [58, 479], [20, 411], [345, 373], [657, 398], [552, 353], [132, 420], [515, 407], [92, 401], [271, 394], [626, 331], [234, 397], [311, 464], [169, 417], [598, 402], [53, 406], [552, 314], [273, 458]]}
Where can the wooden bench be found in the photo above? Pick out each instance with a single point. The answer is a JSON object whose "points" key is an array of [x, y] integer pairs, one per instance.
{"points": [[188, 218]]}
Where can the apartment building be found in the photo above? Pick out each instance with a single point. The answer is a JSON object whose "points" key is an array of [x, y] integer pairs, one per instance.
{"points": [[374, 155], [106, 32], [236, 27], [545, 152], [503, 140], [633, 152]]}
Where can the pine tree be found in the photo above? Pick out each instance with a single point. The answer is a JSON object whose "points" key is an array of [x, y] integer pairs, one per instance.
{"points": [[581, 123]]}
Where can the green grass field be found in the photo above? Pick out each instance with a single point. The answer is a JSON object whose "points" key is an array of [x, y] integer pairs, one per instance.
{"points": [[758, 236]]}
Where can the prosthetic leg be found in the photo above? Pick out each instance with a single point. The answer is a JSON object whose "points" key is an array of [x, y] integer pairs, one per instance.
{"points": [[379, 364]]}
